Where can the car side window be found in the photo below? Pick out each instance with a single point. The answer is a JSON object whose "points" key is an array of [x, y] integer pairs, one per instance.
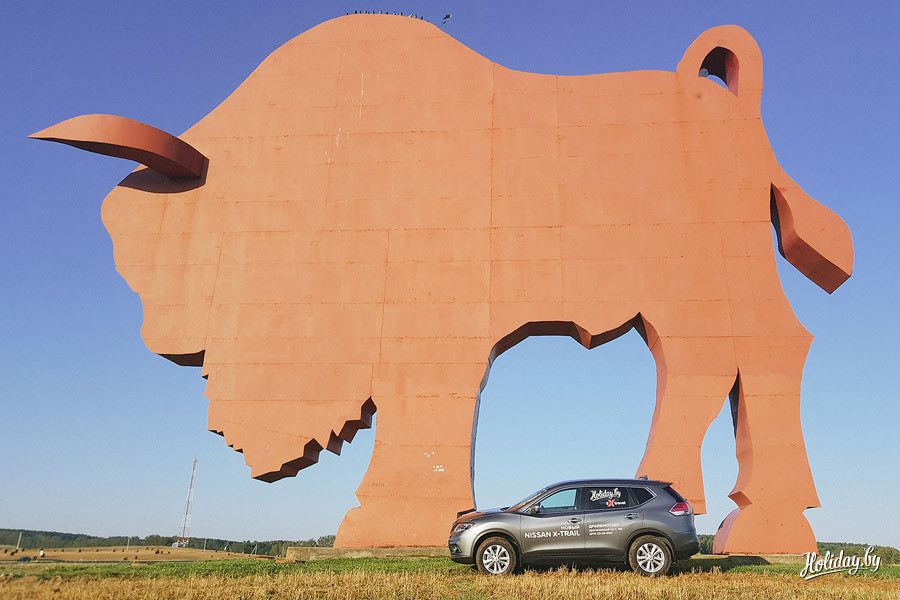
{"points": [[606, 497], [641, 495], [560, 502]]}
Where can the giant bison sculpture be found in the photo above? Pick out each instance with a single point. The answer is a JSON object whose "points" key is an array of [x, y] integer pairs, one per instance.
{"points": [[378, 212]]}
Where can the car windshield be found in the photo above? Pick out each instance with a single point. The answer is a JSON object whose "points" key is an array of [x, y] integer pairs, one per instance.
{"points": [[527, 499]]}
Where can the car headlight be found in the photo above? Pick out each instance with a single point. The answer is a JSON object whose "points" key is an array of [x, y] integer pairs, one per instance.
{"points": [[461, 527]]}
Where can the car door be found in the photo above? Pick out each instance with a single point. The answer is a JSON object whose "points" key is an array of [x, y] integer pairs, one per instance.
{"points": [[552, 527], [610, 518]]}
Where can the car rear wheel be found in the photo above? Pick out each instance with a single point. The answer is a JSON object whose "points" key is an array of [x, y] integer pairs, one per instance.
{"points": [[650, 555], [496, 556]]}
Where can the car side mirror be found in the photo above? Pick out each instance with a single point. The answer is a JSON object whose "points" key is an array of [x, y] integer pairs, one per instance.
{"points": [[533, 509]]}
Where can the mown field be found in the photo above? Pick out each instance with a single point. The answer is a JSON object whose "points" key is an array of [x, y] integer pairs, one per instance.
{"points": [[426, 579], [117, 554]]}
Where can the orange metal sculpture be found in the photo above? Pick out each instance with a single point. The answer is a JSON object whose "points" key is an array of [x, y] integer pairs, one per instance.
{"points": [[385, 211]]}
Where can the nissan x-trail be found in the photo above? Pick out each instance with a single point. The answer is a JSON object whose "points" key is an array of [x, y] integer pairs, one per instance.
{"points": [[644, 523]]}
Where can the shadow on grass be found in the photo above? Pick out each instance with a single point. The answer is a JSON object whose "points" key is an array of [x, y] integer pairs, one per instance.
{"points": [[247, 567], [713, 564], [703, 565], [722, 564]]}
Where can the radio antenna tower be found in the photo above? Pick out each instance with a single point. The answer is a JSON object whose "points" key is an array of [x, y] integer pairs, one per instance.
{"points": [[184, 534]]}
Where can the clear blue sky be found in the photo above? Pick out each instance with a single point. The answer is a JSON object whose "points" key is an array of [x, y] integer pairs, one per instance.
{"points": [[98, 433]]}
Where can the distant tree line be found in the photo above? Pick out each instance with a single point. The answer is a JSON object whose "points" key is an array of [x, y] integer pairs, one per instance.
{"points": [[888, 554], [53, 539]]}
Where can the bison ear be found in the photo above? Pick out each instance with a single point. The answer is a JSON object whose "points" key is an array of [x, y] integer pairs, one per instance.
{"points": [[731, 54], [125, 138]]}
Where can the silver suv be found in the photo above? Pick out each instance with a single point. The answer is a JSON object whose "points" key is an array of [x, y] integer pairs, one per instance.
{"points": [[642, 522]]}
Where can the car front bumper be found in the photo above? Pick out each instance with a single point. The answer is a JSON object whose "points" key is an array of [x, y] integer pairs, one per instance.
{"points": [[461, 546]]}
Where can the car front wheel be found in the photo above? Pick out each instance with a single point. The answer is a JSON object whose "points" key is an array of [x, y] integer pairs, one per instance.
{"points": [[496, 556], [650, 555]]}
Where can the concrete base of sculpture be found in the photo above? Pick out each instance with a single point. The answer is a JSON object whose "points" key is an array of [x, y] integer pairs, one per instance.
{"points": [[382, 212]]}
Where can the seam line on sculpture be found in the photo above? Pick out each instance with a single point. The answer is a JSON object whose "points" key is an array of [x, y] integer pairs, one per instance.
{"points": [[209, 316], [728, 295], [490, 290], [562, 268], [724, 257], [329, 160], [387, 250]]}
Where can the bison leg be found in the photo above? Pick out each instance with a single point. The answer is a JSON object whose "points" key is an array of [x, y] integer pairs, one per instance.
{"points": [[774, 484], [694, 375], [419, 476]]}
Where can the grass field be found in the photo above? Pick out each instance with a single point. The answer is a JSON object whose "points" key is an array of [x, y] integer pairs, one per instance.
{"points": [[431, 579]]}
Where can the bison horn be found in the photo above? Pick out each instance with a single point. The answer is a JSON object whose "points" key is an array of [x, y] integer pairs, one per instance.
{"points": [[125, 138]]}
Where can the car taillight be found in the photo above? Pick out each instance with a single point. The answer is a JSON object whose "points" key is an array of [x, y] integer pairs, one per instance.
{"points": [[681, 508]]}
